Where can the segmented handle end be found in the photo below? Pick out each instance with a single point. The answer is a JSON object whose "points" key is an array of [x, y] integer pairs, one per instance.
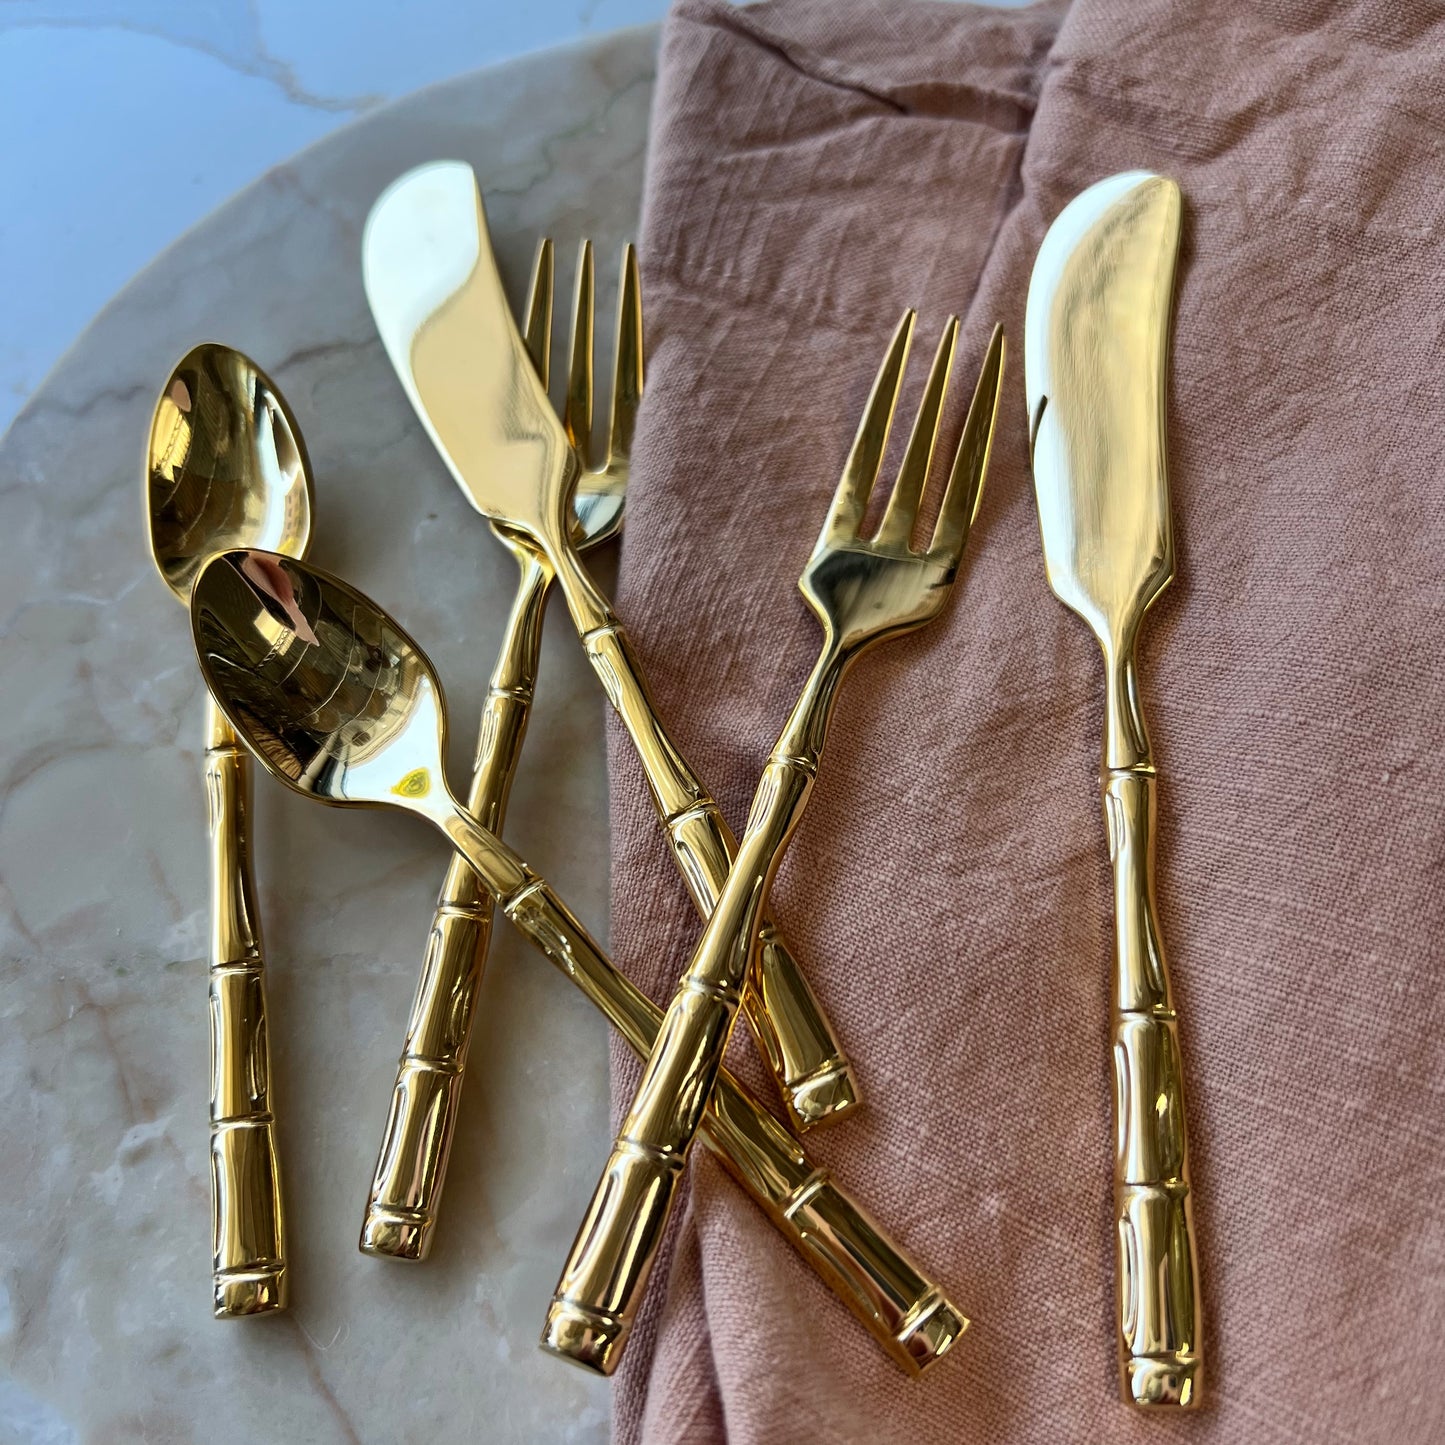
{"points": [[907, 1312], [930, 1338], [825, 1097], [1154, 1381], [386, 1234], [255, 1292], [602, 1284], [1158, 1295], [248, 1265], [589, 1338]]}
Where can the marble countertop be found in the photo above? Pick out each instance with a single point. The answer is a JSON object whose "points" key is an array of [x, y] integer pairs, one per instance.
{"points": [[105, 1326], [166, 110]]}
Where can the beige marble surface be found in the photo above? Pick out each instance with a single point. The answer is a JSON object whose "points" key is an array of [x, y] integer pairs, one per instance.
{"points": [[105, 1327]]}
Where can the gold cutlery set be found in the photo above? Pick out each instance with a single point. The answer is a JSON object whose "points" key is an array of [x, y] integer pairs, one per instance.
{"points": [[338, 702]]}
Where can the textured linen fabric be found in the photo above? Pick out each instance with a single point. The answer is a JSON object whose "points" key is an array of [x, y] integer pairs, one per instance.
{"points": [[815, 168]]}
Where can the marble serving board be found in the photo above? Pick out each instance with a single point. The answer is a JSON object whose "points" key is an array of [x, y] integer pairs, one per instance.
{"points": [[105, 1295]]}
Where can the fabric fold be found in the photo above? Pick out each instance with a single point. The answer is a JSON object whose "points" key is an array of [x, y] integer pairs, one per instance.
{"points": [[816, 166]]}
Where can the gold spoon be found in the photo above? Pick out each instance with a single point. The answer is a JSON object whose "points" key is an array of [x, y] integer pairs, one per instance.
{"points": [[226, 467], [339, 703]]}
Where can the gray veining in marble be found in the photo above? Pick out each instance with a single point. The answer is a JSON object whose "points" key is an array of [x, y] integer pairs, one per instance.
{"points": [[166, 110], [105, 1328]]}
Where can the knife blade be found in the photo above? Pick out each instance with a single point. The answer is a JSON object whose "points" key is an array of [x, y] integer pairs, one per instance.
{"points": [[436, 296]]}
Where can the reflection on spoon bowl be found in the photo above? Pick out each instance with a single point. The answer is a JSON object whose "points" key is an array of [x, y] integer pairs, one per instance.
{"points": [[333, 696], [225, 466]]}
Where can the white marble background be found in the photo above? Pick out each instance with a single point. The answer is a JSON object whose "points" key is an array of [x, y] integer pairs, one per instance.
{"points": [[123, 122]]}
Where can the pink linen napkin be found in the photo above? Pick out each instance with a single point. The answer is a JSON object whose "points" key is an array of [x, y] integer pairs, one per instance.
{"points": [[815, 167]]}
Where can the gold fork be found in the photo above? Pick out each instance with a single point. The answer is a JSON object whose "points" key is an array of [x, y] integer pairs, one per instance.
{"points": [[438, 301], [411, 1165], [862, 592]]}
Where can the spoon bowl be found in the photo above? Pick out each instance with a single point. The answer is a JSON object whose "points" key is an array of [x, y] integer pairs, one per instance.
{"points": [[225, 466], [330, 692]]}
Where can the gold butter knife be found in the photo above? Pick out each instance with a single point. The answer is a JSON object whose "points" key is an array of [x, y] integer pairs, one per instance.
{"points": [[438, 302], [1095, 359]]}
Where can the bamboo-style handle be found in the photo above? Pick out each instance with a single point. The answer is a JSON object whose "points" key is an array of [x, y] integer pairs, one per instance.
{"points": [[606, 1273], [411, 1164], [1158, 1272], [248, 1241], [901, 1307], [783, 1014], [793, 1033]]}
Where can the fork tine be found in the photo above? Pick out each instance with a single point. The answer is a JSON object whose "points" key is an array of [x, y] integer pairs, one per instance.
{"points": [[577, 411], [626, 360], [970, 464], [538, 331], [860, 471], [896, 529]]}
